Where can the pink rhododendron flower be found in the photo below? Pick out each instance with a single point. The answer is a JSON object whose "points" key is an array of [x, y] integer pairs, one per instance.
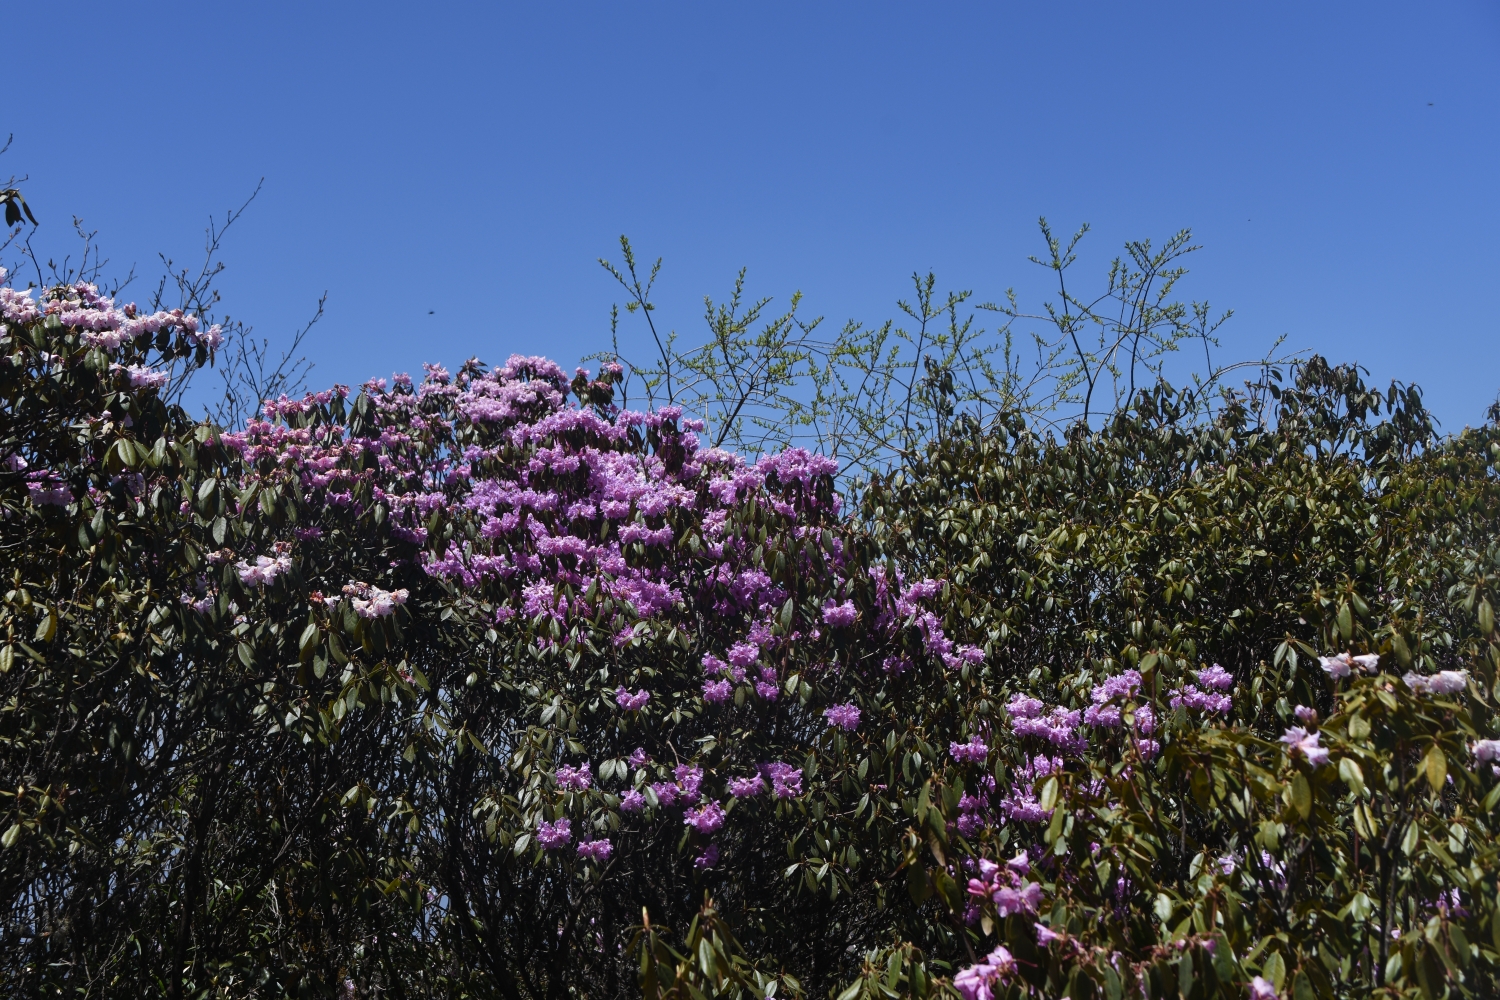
{"points": [[844, 716], [786, 781], [370, 601], [1261, 989], [1337, 666], [554, 835], [974, 751], [744, 788], [1216, 677], [977, 982], [1299, 740], [839, 615], [632, 702], [575, 779], [595, 850], [688, 780], [706, 819], [263, 571], [1441, 683]]}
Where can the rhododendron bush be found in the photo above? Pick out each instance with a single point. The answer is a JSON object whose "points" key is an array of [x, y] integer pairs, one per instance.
{"points": [[479, 685]]}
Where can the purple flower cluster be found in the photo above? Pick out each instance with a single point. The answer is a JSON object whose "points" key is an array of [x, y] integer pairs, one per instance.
{"points": [[980, 982], [1341, 665], [1103, 710], [554, 835], [1300, 742], [1058, 727], [45, 488], [370, 601], [786, 780], [1444, 682], [632, 702], [839, 615], [845, 716], [745, 788], [976, 751], [263, 571], [1022, 805], [104, 325], [706, 819], [595, 850], [1200, 701], [577, 779]]}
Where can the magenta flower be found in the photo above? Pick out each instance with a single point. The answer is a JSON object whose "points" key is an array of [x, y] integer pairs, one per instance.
{"points": [[744, 788], [717, 692], [632, 702], [1261, 989], [554, 835], [1045, 935], [632, 802], [639, 758], [786, 781], [263, 571], [1299, 740], [845, 716], [839, 615], [708, 858], [595, 850], [975, 751], [706, 819], [977, 982], [1216, 677], [688, 780], [1337, 666], [575, 779]]}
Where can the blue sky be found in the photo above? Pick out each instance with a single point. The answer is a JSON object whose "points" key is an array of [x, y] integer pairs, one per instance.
{"points": [[449, 173]]}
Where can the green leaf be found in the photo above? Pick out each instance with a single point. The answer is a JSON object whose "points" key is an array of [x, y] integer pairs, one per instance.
{"points": [[1435, 765], [1163, 907], [1352, 776], [1274, 969], [1049, 793], [1301, 795], [1302, 987], [308, 644], [1460, 942]]}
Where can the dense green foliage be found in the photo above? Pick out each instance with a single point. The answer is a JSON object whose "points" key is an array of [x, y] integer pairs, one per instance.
{"points": [[1290, 521], [298, 710]]}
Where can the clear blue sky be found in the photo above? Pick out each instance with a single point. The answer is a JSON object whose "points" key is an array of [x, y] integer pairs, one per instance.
{"points": [[1339, 162]]}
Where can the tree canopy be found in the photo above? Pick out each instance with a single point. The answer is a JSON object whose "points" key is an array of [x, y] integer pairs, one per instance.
{"points": [[482, 685]]}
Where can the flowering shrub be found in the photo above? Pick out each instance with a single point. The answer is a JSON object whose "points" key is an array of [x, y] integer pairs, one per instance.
{"points": [[480, 685]]}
